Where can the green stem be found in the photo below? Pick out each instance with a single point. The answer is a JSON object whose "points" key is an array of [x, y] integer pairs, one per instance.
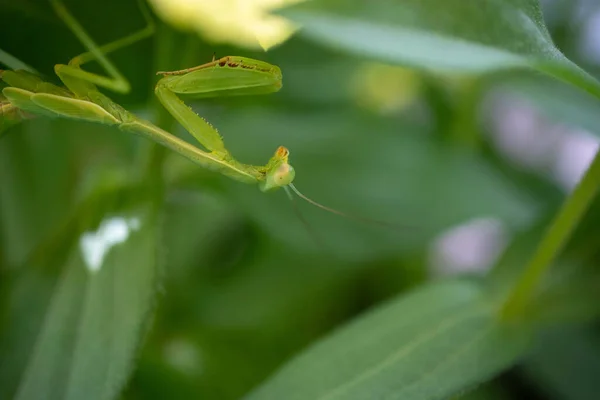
{"points": [[167, 51], [554, 240], [154, 155]]}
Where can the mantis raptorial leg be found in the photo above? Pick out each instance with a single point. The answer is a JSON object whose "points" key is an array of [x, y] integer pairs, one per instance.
{"points": [[228, 76]]}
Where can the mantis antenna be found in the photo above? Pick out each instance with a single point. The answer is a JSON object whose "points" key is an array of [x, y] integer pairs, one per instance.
{"points": [[307, 226], [343, 214]]}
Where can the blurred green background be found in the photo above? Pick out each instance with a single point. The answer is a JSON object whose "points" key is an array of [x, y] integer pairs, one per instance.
{"points": [[467, 167]]}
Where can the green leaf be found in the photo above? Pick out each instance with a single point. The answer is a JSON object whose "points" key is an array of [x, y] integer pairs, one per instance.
{"points": [[429, 344], [94, 313], [442, 35]]}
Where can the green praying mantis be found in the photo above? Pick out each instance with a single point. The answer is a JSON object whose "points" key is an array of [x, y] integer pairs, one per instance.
{"points": [[80, 99], [28, 95]]}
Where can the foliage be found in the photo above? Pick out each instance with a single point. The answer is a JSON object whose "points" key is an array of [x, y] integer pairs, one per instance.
{"points": [[216, 290]]}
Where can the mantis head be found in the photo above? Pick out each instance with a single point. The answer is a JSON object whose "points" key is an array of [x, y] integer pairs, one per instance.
{"points": [[279, 173]]}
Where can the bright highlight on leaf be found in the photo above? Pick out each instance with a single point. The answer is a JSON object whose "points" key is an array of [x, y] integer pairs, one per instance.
{"points": [[96, 245], [246, 23]]}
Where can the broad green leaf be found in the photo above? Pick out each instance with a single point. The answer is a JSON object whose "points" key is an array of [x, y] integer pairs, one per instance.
{"points": [[97, 311], [429, 344], [442, 35]]}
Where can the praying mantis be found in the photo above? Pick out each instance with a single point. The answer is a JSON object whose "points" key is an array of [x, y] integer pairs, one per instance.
{"points": [[80, 99], [28, 95]]}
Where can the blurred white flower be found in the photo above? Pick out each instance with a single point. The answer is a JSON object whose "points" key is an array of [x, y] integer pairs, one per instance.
{"points": [[246, 23], [472, 247]]}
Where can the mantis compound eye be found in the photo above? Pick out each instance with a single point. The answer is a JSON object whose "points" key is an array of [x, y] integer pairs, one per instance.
{"points": [[281, 175], [284, 175]]}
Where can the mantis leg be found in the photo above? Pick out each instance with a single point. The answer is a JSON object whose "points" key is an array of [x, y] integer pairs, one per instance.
{"points": [[192, 122], [82, 82], [228, 76]]}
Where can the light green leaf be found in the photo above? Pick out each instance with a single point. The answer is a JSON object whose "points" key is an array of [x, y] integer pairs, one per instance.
{"points": [[442, 35], [429, 344], [96, 312]]}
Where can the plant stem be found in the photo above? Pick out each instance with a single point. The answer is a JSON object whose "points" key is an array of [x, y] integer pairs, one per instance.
{"points": [[154, 155], [554, 240], [167, 58]]}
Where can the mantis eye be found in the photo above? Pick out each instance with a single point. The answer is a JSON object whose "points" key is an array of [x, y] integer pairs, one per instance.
{"points": [[284, 175], [280, 176]]}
